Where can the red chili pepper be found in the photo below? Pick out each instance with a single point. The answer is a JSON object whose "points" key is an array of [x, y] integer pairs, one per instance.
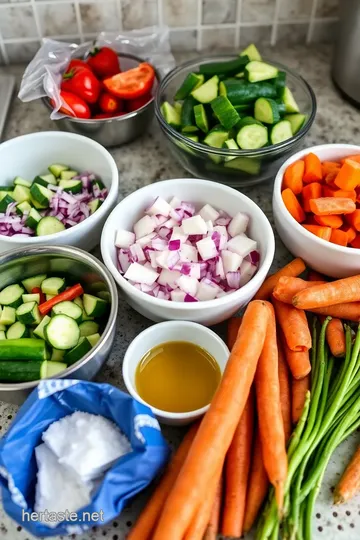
{"points": [[69, 294], [37, 290], [133, 83], [82, 82], [104, 62]]}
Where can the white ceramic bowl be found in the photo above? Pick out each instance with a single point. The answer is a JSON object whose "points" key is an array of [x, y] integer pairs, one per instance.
{"points": [[209, 312], [172, 331], [31, 154], [324, 257]]}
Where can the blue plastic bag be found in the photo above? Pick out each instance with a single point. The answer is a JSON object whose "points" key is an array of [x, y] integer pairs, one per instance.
{"points": [[52, 400]]}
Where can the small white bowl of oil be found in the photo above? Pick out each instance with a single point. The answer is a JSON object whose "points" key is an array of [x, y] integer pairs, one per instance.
{"points": [[175, 367]]}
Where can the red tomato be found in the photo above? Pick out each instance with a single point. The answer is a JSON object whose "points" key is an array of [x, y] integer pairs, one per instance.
{"points": [[82, 82], [109, 103], [133, 83], [73, 105], [137, 103], [104, 62], [76, 62]]}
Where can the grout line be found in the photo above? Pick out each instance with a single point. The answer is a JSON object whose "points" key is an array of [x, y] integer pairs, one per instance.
{"points": [[160, 13], [275, 23], [312, 21], [3, 51], [238, 21], [199, 26], [36, 39], [119, 12], [78, 20]]}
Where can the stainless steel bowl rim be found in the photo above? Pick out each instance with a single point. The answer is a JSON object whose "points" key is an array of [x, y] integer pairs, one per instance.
{"points": [[225, 151], [85, 258]]}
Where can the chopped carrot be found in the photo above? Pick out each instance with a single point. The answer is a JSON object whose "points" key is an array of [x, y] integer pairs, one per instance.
{"points": [[217, 427], [335, 337], [313, 171], [347, 310], [285, 391], [339, 237], [331, 176], [293, 269], [331, 206], [328, 191], [287, 287], [315, 276], [232, 330], [345, 194], [299, 388], [294, 325], [293, 205], [257, 486], [214, 521], [271, 424], [318, 230], [334, 222], [310, 191], [354, 220], [351, 233], [349, 484], [356, 242], [328, 294], [328, 166], [355, 157], [293, 177], [349, 175]]}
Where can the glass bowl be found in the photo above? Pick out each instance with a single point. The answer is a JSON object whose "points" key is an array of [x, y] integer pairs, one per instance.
{"points": [[249, 167]]}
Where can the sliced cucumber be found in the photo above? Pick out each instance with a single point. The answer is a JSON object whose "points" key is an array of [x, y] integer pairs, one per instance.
{"points": [[49, 296], [72, 186], [41, 194], [21, 194], [252, 136], [241, 92], [231, 145], [62, 332], [51, 369], [5, 201], [94, 306], [53, 285], [21, 371], [32, 282], [187, 115], [93, 339], [207, 91], [178, 106], [11, 295], [281, 132], [191, 136], [36, 204], [266, 110], [8, 315], [56, 169], [105, 295], [6, 189], [97, 182], [82, 348], [28, 313], [290, 104], [35, 297], [191, 82], [24, 349], [201, 119], [225, 112], [56, 354], [39, 330], [256, 71], [252, 53], [33, 219], [17, 330], [68, 175], [94, 205], [23, 208], [70, 309], [280, 81], [87, 328], [228, 68], [45, 180], [216, 137], [2, 327], [49, 225], [2, 334], [248, 165], [296, 120], [19, 181], [171, 115]]}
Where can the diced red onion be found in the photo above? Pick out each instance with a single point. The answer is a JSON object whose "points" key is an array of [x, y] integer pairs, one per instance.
{"points": [[164, 232], [223, 221], [189, 298], [124, 259], [159, 244], [174, 245], [233, 280]]}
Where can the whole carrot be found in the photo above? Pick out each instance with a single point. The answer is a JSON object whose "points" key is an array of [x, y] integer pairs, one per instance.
{"points": [[271, 424], [335, 337], [237, 468], [298, 362], [257, 486], [285, 391], [299, 389], [350, 311], [294, 325], [349, 484], [294, 268], [287, 287], [144, 526], [214, 521], [329, 294], [217, 428]]}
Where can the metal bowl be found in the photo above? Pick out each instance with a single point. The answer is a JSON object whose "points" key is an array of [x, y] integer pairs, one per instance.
{"points": [[120, 129], [20, 263]]}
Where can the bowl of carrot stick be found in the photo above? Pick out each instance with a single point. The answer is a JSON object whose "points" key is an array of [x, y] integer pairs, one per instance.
{"points": [[316, 205]]}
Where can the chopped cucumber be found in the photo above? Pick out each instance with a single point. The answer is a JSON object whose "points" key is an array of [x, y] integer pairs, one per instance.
{"points": [[51, 369], [17, 330], [24, 349], [290, 104], [45, 180], [2, 334], [266, 110], [243, 92], [228, 68], [49, 225], [36, 204], [171, 115], [216, 137], [5, 201], [280, 81], [18, 181], [41, 194], [33, 219], [70, 309], [201, 119], [93, 339], [49, 296], [39, 330], [62, 332], [82, 348], [11, 295], [72, 186], [94, 306], [105, 295], [231, 145], [56, 355], [53, 285], [21, 194], [251, 136], [68, 175], [256, 71], [244, 164], [94, 205], [23, 208], [87, 328], [187, 115], [35, 297], [252, 53], [56, 169], [225, 112], [296, 120], [207, 91], [6, 189], [281, 132], [21, 371], [191, 82], [8, 316], [28, 313], [32, 282]]}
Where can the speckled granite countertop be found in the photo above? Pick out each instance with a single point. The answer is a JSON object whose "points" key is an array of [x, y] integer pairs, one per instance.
{"points": [[146, 160]]}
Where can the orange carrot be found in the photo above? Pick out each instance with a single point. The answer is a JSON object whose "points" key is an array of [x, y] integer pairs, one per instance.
{"points": [[345, 194], [339, 237], [293, 205], [354, 220], [318, 230], [328, 191], [313, 172], [331, 176], [332, 205], [293, 268], [294, 325], [285, 391], [287, 287], [144, 526], [237, 468], [329, 221], [355, 243], [271, 424], [335, 337], [347, 310], [310, 191], [351, 233], [328, 294], [299, 389], [349, 175], [315, 276], [217, 428], [232, 330], [258, 485], [293, 177], [355, 157], [214, 521], [349, 484], [298, 362], [328, 166]]}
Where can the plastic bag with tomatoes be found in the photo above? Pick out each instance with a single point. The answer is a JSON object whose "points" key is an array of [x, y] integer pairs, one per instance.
{"points": [[56, 72]]}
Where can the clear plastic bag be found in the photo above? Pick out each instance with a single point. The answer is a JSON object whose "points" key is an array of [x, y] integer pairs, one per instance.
{"points": [[42, 76]]}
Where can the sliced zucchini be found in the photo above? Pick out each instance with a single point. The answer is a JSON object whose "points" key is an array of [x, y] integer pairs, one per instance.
{"points": [[296, 120], [252, 53], [28, 313], [70, 309], [87, 328], [171, 115], [225, 112], [39, 330], [17, 330], [191, 82], [11, 295], [266, 110], [49, 225], [94, 306], [23, 208], [207, 91], [8, 316], [5, 201], [290, 104], [281, 132], [19, 181], [32, 282], [62, 332], [53, 285], [56, 169], [256, 71], [201, 119], [41, 194]]}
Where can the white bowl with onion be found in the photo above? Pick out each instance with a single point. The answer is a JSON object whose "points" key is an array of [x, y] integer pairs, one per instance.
{"points": [[167, 286]]}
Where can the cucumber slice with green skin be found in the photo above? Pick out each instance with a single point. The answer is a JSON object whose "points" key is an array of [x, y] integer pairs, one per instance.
{"points": [[24, 349], [51, 369], [231, 145], [207, 91], [6, 189], [87, 328], [8, 316], [36, 204], [57, 355], [18, 181], [22, 208], [2, 334], [5, 201], [216, 137], [70, 309], [45, 180], [33, 281], [33, 219], [71, 186], [201, 119], [94, 306], [190, 83], [256, 71], [281, 107], [11, 295], [20, 371], [97, 182], [39, 330], [105, 295], [290, 104], [252, 136], [82, 348], [242, 108], [281, 132], [252, 53], [21, 194], [225, 112], [94, 205], [194, 138], [224, 68], [49, 296], [178, 106], [28, 313], [35, 297], [241, 92], [248, 121], [62, 332], [17, 330], [280, 81], [68, 175], [187, 115], [266, 110], [56, 169], [49, 225], [189, 130], [171, 115], [296, 120], [244, 164], [53, 285], [2, 328], [78, 301], [41, 194], [240, 75], [93, 339]]}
